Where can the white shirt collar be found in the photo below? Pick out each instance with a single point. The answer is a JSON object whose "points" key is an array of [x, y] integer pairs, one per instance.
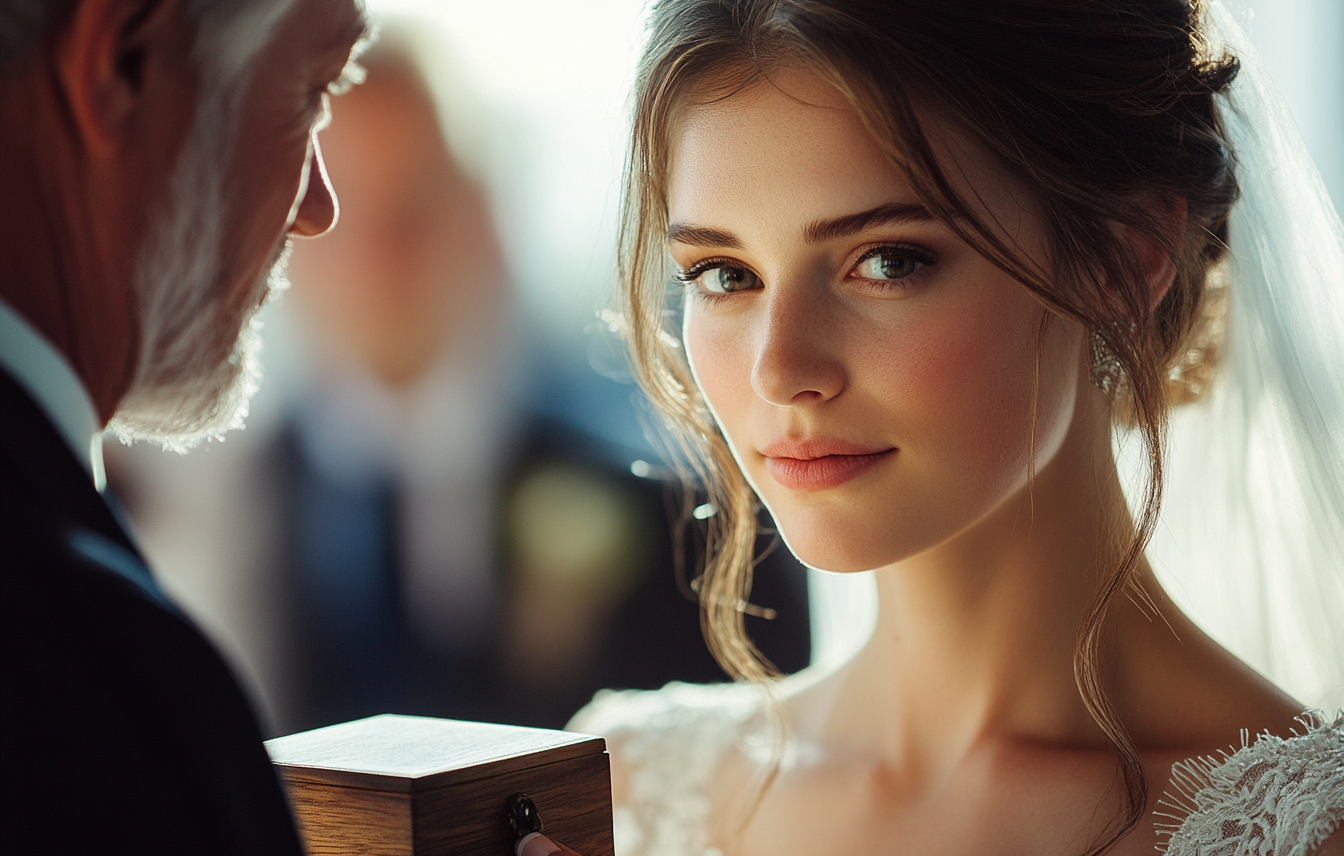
{"points": [[41, 370]]}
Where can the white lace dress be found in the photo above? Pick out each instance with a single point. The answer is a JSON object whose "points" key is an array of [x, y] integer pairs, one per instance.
{"points": [[1271, 797]]}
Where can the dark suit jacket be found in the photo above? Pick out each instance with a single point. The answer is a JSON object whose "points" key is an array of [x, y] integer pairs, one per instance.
{"points": [[123, 730]]}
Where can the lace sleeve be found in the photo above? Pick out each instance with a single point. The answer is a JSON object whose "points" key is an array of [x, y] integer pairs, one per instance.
{"points": [[1276, 797], [670, 743]]}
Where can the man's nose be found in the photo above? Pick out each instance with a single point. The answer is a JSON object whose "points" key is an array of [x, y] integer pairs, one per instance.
{"points": [[318, 209], [796, 357]]}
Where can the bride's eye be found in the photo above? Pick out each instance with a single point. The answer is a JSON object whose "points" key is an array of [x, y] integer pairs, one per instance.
{"points": [[889, 264], [716, 278]]}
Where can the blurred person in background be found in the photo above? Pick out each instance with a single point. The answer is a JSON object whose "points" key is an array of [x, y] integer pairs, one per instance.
{"points": [[417, 537]]}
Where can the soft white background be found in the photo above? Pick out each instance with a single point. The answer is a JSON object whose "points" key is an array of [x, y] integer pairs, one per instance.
{"points": [[550, 81]]}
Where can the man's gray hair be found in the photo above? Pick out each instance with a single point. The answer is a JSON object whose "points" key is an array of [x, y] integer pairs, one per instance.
{"points": [[229, 32], [184, 389]]}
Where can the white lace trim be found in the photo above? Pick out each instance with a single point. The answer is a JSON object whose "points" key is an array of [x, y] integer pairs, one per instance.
{"points": [[1276, 797], [672, 741], [1273, 797]]}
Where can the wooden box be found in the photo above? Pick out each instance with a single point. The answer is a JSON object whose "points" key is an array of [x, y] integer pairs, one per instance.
{"points": [[414, 786]]}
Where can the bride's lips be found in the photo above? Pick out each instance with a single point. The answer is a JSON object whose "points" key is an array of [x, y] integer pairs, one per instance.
{"points": [[820, 463]]}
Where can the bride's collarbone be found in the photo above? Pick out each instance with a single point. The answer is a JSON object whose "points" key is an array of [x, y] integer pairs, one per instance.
{"points": [[1008, 799], [1003, 796]]}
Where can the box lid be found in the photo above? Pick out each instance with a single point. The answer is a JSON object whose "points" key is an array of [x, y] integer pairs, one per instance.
{"points": [[417, 753]]}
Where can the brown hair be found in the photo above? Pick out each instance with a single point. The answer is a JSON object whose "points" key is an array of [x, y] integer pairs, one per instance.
{"points": [[1104, 108]]}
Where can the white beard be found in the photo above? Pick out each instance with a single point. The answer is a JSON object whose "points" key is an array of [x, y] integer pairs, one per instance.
{"points": [[199, 353]]}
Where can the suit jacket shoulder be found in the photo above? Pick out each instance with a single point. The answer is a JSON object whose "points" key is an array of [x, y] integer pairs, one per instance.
{"points": [[124, 731]]}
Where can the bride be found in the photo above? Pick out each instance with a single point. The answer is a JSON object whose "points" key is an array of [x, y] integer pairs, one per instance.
{"points": [[932, 254]]}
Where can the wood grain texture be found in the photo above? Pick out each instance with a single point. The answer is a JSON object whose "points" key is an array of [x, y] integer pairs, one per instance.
{"points": [[352, 821], [414, 786], [416, 753], [573, 800]]}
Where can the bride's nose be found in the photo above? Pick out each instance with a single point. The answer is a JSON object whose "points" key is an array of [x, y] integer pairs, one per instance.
{"points": [[796, 355]]}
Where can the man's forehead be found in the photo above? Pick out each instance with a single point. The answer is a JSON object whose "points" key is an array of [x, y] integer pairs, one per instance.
{"points": [[330, 26], [359, 27]]}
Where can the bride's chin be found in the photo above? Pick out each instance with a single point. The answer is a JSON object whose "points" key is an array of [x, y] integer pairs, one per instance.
{"points": [[839, 535], [832, 551]]}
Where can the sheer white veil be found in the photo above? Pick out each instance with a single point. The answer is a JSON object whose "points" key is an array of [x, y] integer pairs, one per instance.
{"points": [[1252, 537], [1251, 541]]}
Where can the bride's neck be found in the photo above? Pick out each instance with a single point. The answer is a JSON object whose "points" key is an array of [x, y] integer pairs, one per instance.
{"points": [[975, 638]]}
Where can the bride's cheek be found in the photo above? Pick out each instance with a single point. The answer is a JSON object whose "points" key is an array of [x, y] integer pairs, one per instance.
{"points": [[960, 394], [719, 362]]}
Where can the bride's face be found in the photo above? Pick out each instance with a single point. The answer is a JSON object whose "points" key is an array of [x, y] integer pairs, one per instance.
{"points": [[873, 373]]}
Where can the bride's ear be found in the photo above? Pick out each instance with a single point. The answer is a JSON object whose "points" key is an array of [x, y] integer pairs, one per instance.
{"points": [[1155, 260]]}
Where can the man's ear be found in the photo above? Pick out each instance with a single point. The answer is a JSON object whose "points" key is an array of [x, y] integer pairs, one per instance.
{"points": [[100, 58]]}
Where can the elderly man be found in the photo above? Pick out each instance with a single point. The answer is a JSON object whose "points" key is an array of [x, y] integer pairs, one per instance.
{"points": [[155, 158]]}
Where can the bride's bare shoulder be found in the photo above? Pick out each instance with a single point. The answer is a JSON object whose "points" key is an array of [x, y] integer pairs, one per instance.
{"points": [[1186, 694]]}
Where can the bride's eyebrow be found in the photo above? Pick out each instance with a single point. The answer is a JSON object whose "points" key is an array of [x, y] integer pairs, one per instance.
{"points": [[815, 232], [702, 236], [819, 231]]}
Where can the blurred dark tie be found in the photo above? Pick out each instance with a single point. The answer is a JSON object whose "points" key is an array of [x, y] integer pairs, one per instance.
{"points": [[348, 584]]}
